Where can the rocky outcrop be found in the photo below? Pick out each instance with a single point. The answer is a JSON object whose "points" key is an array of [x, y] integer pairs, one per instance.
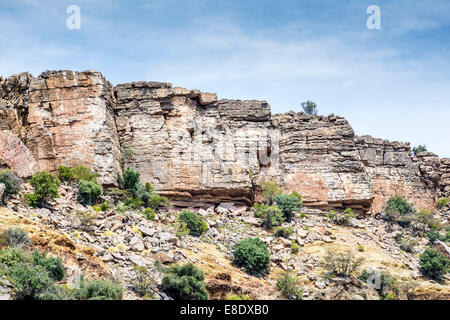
{"points": [[393, 171], [319, 159], [65, 118], [189, 145], [15, 155], [200, 150], [444, 181]]}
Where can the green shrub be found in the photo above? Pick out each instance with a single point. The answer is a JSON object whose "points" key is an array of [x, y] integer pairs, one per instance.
{"points": [[104, 206], [427, 217], [45, 187], [12, 256], [341, 263], [194, 222], [149, 213], [443, 202], [418, 149], [342, 219], [185, 282], [434, 264], [295, 248], [89, 192], [31, 199], [157, 201], [269, 190], [53, 265], [360, 248], [11, 181], [408, 244], [252, 254], [99, 290], [288, 204], [399, 205], [435, 235], [130, 179], [133, 203], [82, 173], [65, 173], [272, 215], [121, 207], [14, 237], [288, 286], [30, 282], [284, 232]]}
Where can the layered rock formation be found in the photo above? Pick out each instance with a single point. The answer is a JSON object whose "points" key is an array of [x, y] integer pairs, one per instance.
{"points": [[197, 149]]}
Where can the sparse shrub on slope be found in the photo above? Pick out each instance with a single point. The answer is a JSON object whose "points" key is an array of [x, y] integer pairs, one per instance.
{"points": [[194, 222], [14, 237], [99, 290], [89, 192], [11, 181], [185, 282], [341, 263], [252, 254], [149, 213], [45, 189], [434, 264], [288, 286], [284, 232], [443, 202]]}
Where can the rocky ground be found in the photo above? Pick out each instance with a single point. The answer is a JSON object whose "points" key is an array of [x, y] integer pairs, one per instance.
{"points": [[116, 242]]}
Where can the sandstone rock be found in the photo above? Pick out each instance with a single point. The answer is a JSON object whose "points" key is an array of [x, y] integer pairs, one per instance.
{"points": [[147, 231], [195, 148], [16, 156]]}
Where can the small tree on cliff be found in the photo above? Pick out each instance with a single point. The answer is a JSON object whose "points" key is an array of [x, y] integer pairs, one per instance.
{"points": [[419, 149], [310, 108]]}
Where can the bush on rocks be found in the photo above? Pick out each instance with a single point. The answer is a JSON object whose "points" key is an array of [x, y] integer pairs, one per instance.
{"points": [[185, 282], [434, 264], [194, 222], [99, 290], [272, 215], [11, 181], [288, 204], [89, 192], [253, 255], [45, 189]]}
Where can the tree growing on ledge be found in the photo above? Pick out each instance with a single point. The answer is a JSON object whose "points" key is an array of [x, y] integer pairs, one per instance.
{"points": [[419, 149], [310, 108]]}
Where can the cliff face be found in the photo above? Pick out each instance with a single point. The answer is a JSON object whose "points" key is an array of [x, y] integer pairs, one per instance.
{"points": [[197, 149]]}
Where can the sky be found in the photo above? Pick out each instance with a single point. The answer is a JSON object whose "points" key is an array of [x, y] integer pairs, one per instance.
{"points": [[391, 83]]}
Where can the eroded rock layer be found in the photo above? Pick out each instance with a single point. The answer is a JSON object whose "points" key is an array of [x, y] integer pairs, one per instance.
{"points": [[197, 149]]}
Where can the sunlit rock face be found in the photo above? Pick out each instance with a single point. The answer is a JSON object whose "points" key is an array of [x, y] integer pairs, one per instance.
{"points": [[66, 118], [200, 150]]}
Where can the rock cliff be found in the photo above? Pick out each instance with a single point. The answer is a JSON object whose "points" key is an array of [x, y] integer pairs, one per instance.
{"points": [[199, 150]]}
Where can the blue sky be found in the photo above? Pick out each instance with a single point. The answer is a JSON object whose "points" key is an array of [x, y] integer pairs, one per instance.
{"points": [[392, 83]]}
